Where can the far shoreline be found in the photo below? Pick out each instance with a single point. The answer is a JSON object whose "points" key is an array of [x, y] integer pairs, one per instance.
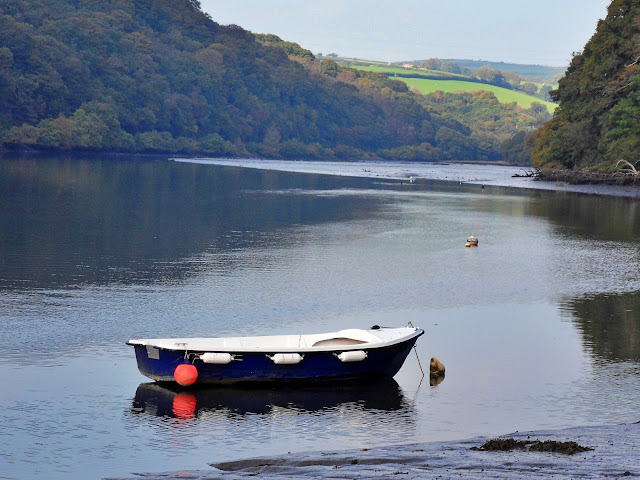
{"points": [[521, 177], [585, 177], [473, 173]]}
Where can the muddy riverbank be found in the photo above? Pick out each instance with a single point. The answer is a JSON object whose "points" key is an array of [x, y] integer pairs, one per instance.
{"points": [[614, 454], [414, 173], [584, 177]]}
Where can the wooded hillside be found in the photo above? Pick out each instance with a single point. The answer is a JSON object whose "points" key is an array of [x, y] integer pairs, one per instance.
{"points": [[161, 75], [598, 120]]}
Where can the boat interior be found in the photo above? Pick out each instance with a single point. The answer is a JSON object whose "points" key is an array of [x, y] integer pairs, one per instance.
{"points": [[343, 339]]}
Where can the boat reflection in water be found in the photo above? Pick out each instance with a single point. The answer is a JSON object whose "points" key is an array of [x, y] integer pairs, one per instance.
{"points": [[171, 401]]}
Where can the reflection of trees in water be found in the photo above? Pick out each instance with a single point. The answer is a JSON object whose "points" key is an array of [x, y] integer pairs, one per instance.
{"points": [[590, 217], [90, 220], [610, 324]]}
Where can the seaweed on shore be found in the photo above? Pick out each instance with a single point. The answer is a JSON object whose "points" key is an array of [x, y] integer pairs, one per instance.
{"points": [[552, 446]]}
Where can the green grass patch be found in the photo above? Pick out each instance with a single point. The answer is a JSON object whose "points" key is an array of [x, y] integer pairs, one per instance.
{"points": [[504, 95], [406, 71], [429, 84], [350, 62]]}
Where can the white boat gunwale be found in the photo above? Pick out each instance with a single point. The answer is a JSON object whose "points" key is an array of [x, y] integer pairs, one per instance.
{"points": [[378, 338]]}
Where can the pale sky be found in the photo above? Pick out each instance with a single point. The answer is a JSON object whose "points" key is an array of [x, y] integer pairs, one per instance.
{"points": [[540, 32]]}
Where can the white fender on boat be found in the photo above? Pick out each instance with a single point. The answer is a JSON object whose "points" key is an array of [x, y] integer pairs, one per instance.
{"points": [[286, 358], [352, 356], [217, 358]]}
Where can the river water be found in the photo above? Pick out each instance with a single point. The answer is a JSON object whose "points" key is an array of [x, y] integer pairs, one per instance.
{"points": [[538, 327]]}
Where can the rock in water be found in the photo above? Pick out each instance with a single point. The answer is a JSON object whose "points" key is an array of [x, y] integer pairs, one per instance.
{"points": [[436, 368]]}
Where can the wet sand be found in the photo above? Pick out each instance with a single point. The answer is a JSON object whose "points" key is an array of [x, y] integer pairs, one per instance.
{"points": [[407, 172], [614, 454]]}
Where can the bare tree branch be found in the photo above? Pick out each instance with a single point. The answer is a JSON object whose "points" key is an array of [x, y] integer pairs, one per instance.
{"points": [[635, 62]]}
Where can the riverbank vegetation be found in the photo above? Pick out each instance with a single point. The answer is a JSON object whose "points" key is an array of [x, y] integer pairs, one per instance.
{"points": [[597, 124], [162, 76]]}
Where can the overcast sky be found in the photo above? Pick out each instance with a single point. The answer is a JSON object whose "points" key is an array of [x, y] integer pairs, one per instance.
{"points": [[542, 31]]}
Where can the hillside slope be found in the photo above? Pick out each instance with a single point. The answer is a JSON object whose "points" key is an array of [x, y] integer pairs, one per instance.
{"points": [[598, 120], [543, 72], [504, 95], [162, 76]]}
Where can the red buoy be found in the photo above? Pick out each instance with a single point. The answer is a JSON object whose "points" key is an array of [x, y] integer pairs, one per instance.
{"points": [[185, 374]]}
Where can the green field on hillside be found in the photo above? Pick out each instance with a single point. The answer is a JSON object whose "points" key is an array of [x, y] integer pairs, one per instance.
{"points": [[406, 71], [457, 83], [503, 95]]}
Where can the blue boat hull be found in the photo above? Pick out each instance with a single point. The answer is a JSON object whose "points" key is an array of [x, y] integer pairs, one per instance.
{"points": [[381, 362]]}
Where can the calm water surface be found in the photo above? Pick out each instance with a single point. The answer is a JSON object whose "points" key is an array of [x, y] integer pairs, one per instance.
{"points": [[539, 327]]}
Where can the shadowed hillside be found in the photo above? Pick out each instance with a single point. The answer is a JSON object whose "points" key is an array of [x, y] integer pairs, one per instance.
{"points": [[598, 120], [162, 76]]}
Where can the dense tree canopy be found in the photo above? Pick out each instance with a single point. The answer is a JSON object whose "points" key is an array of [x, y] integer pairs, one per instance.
{"points": [[443, 66], [598, 120], [160, 75], [490, 124]]}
